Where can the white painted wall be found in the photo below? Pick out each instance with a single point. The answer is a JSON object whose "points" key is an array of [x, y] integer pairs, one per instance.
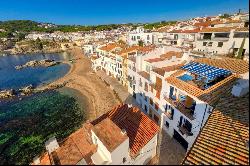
{"points": [[101, 149], [147, 153], [122, 151]]}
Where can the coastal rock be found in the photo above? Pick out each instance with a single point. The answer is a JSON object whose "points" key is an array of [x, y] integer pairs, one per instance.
{"points": [[7, 93], [26, 90], [36, 63]]}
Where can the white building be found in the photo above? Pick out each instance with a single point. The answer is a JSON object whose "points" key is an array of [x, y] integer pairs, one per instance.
{"points": [[224, 40], [122, 136], [140, 34]]}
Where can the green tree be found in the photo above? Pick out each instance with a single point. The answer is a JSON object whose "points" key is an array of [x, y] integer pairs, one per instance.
{"points": [[38, 44], [20, 36], [140, 43]]}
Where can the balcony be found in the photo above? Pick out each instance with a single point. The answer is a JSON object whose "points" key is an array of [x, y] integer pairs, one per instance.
{"points": [[169, 115], [131, 80], [213, 38], [188, 112], [185, 130], [220, 38]]}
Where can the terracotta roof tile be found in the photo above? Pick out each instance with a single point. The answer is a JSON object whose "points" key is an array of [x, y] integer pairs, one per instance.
{"points": [[242, 29], [161, 71], [196, 30], [234, 65], [167, 56], [110, 134], [170, 54], [76, 147], [224, 136], [210, 95], [110, 46], [140, 129], [154, 60], [219, 29]]}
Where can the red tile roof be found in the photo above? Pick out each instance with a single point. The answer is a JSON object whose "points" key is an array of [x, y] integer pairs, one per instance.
{"points": [[168, 55], [109, 133], [234, 65], [154, 60], [245, 29], [76, 147], [224, 136], [140, 129], [219, 29], [186, 31], [161, 71], [110, 46], [210, 95]]}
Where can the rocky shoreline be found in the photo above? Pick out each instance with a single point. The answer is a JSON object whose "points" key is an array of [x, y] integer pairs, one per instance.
{"points": [[27, 90], [36, 63]]}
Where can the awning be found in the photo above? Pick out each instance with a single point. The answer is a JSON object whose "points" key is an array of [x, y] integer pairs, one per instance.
{"points": [[204, 70]]}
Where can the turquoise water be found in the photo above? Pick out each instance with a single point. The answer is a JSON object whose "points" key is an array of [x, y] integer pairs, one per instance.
{"points": [[10, 78], [25, 125], [27, 122]]}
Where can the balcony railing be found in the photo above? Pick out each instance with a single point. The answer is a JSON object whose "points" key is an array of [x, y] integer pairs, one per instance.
{"points": [[214, 38], [181, 107], [184, 130], [131, 80]]}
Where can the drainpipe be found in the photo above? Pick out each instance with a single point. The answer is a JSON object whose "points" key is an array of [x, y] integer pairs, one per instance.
{"points": [[204, 116]]}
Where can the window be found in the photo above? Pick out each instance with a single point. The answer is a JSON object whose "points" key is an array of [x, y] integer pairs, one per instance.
{"points": [[146, 108], [166, 107], [167, 124], [220, 44], [204, 43], [241, 34], [170, 113], [138, 37], [151, 101], [148, 37], [210, 44]]}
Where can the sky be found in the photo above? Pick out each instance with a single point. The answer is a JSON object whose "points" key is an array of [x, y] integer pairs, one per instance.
{"points": [[93, 12]]}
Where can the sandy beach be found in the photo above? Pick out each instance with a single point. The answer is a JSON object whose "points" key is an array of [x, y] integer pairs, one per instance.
{"points": [[100, 98]]}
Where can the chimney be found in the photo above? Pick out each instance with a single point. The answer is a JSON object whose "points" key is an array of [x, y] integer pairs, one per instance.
{"points": [[242, 86], [51, 145]]}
